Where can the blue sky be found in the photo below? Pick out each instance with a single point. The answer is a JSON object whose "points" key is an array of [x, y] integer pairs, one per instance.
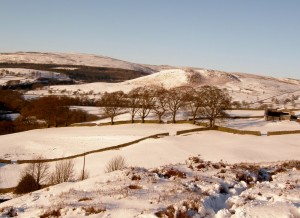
{"points": [[257, 36]]}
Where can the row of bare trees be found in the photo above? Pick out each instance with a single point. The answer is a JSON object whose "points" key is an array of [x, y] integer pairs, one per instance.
{"points": [[208, 102]]}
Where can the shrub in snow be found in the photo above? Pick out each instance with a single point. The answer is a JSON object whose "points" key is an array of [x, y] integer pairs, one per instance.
{"points": [[136, 177], [168, 173], [135, 187], [11, 212], [184, 209], [51, 213], [38, 170], [27, 184], [93, 210], [116, 163], [64, 172]]}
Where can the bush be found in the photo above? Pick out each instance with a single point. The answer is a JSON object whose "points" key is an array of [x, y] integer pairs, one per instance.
{"points": [[27, 184], [93, 210], [51, 213], [38, 169], [64, 172], [11, 212], [117, 163]]}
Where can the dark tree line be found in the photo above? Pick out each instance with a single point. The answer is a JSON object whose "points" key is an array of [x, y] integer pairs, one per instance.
{"points": [[51, 111], [208, 102]]}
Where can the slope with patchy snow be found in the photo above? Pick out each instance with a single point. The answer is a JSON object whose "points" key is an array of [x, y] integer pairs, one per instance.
{"points": [[20, 75], [71, 59]]}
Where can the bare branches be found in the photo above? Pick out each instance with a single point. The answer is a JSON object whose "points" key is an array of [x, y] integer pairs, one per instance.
{"points": [[161, 102], [176, 99], [64, 172], [112, 103], [38, 170], [146, 101], [194, 102], [215, 101], [133, 102]]}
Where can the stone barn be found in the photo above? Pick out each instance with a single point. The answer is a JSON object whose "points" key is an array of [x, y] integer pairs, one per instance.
{"points": [[275, 114]]}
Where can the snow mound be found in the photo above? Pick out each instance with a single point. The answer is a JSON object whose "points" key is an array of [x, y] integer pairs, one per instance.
{"points": [[181, 77], [165, 78]]}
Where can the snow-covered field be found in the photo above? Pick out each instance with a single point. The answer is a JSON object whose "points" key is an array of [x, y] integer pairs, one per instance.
{"points": [[67, 141], [259, 124], [89, 109], [211, 145], [245, 113]]}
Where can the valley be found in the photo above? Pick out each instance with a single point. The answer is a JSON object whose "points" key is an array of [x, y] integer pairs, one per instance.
{"points": [[185, 162]]}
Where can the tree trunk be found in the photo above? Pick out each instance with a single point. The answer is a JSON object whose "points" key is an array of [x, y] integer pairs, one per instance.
{"points": [[159, 117], [174, 117], [112, 120], [213, 122], [210, 123]]}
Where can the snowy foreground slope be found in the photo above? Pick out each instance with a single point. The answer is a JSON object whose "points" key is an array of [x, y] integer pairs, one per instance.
{"points": [[194, 189]]}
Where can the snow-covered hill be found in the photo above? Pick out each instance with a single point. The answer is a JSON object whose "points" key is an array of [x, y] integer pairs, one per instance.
{"points": [[242, 87], [72, 59]]}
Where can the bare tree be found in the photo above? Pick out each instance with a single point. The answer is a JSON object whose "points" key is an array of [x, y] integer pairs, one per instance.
{"points": [[39, 170], [146, 101], [176, 99], [64, 172], [113, 103], [133, 102], [194, 102], [161, 104], [215, 101]]}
